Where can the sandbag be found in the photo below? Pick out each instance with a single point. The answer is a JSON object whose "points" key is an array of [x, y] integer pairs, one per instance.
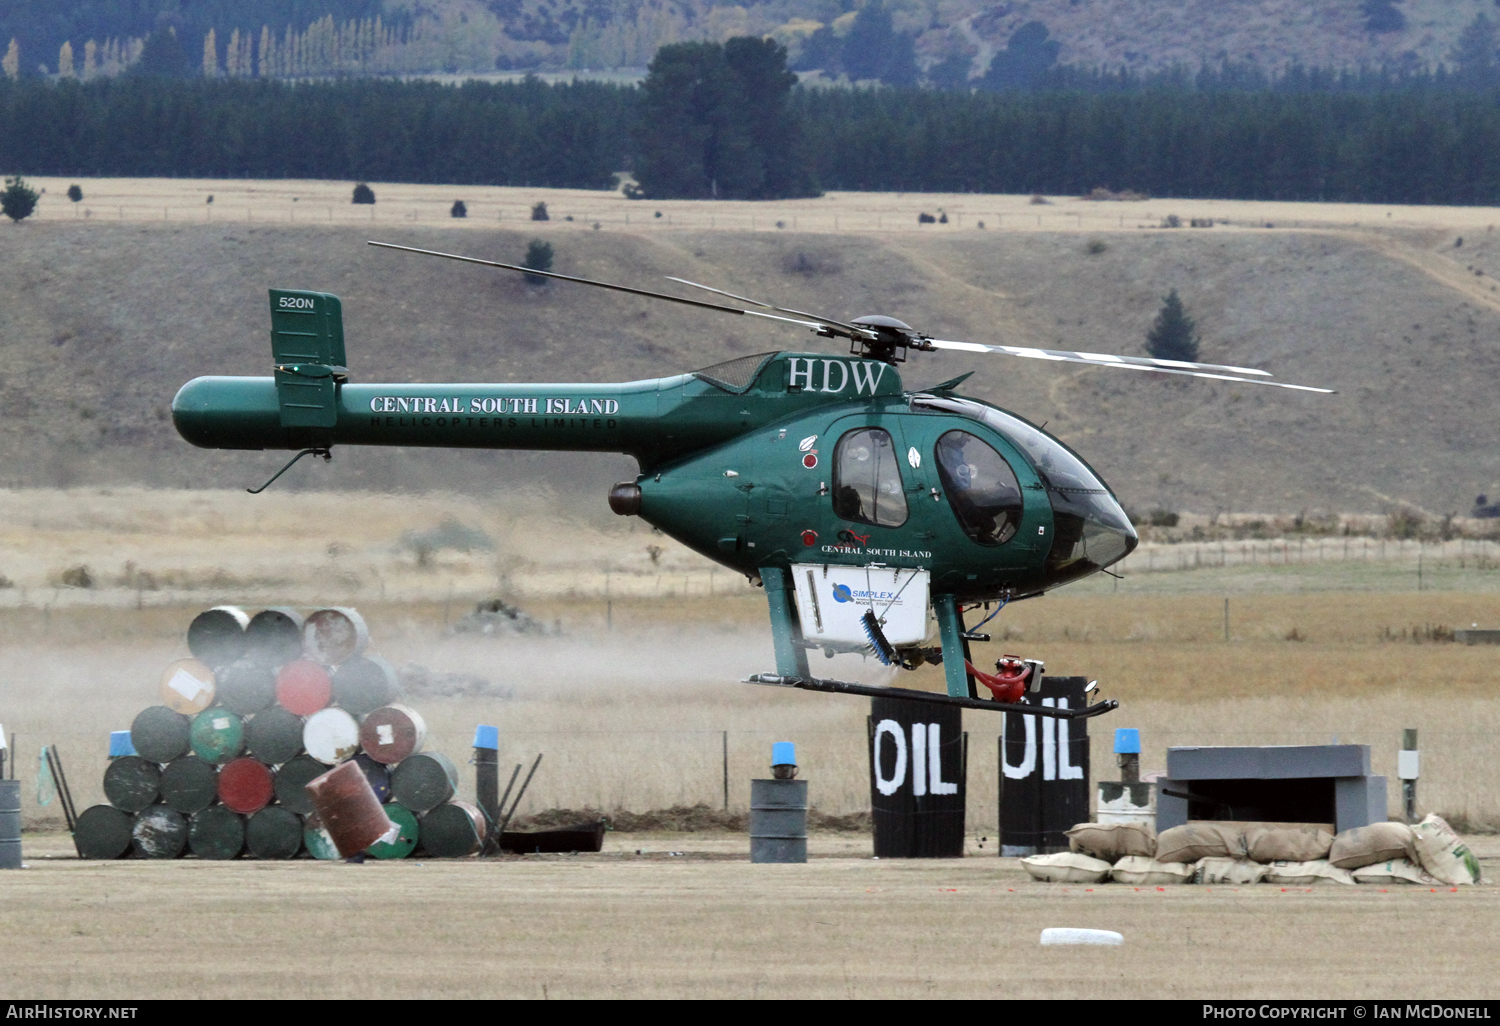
{"points": [[1193, 841], [1140, 871], [1112, 841], [1227, 871], [1367, 845], [1394, 871], [1289, 842], [1067, 867], [1301, 874], [1442, 853]]}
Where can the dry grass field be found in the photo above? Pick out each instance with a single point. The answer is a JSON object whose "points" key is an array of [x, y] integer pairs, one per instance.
{"points": [[633, 684]]}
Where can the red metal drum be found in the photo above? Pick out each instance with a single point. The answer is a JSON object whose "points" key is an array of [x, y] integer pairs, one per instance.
{"points": [[391, 733], [246, 785], [303, 687], [348, 809]]}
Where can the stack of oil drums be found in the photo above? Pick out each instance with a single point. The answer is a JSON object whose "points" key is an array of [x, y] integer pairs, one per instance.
{"points": [[265, 704]]}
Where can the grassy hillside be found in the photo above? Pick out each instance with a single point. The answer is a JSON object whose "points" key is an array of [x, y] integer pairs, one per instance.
{"points": [[101, 322]]}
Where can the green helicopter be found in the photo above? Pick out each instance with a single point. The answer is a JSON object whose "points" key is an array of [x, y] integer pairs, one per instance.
{"points": [[860, 506]]}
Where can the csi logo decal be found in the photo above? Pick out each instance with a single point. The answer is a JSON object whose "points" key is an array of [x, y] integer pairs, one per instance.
{"points": [[850, 538], [305, 303], [926, 759]]}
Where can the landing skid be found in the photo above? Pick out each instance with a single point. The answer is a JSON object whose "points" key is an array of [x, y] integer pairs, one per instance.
{"points": [[844, 687]]}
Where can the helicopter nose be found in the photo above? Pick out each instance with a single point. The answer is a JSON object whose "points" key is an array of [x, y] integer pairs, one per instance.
{"points": [[1090, 532]]}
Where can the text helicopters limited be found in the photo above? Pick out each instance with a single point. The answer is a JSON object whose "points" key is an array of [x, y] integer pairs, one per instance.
{"points": [[863, 508]]}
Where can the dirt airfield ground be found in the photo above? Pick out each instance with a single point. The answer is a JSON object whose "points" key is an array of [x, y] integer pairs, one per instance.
{"points": [[706, 923]]}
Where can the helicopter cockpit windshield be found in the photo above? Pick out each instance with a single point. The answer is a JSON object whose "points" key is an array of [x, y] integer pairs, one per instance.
{"points": [[1090, 531]]}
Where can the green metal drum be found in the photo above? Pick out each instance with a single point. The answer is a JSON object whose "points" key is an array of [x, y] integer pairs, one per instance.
{"points": [[216, 833], [452, 830], [274, 833], [159, 832], [189, 784], [364, 684], [274, 637], [319, 845], [102, 832], [424, 781], [160, 734], [291, 783], [274, 736], [217, 735], [132, 783], [245, 687], [402, 846]]}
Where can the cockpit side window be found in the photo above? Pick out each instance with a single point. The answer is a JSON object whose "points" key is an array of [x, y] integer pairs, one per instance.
{"points": [[867, 484], [982, 489]]}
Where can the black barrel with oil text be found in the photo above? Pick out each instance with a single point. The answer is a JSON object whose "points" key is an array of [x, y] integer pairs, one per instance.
{"points": [[918, 779]]}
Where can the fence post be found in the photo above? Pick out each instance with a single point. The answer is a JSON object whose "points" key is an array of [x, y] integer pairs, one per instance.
{"points": [[1407, 768]]}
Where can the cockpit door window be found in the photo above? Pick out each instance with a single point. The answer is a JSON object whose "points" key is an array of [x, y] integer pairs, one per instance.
{"points": [[982, 489], [867, 484]]}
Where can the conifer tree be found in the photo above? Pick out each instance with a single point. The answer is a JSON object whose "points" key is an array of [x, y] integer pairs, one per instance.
{"points": [[65, 60], [210, 55], [1174, 336], [264, 70], [11, 62], [18, 199]]}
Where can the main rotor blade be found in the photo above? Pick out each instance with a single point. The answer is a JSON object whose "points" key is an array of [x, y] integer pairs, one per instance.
{"points": [[1135, 363], [569, 277], [854, 328]]}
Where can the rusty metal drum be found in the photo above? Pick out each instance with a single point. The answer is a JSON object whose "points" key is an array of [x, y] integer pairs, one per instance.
{"points": [[102, 832], [217, 735], [292, 780], [217, 635], [189, 784], [245, 687], [364, 683], [274, 735], [377, 773], [424, 781], [273, 833], [187, 686], [317, 840], [159, 832], [274, 637], [246, 785], [160, 734], [406, 841], [216, 833], [303, 687], [393, 733], [132, 783], [452, 830], [331, 736], [333, 636], [348, 809]]}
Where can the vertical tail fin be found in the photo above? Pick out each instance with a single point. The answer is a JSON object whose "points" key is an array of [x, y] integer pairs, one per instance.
{"points": [[307, 345]]}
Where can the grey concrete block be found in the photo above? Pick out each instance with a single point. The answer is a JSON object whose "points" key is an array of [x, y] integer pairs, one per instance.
{"points": [[1268, 762]]}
